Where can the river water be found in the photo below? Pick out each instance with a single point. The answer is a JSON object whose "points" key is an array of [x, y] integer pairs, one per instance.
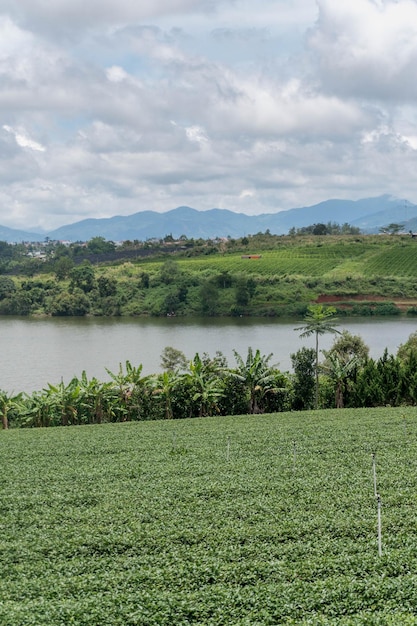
{"points": [[38, 351]]}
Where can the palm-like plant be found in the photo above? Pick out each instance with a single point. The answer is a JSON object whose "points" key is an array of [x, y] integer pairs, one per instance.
{"points": [[128, 385], [64, 400], [339, 370], [163, 385], [95, 400], [208, 387], [8, 402], [37, 409], [256, 375], [319, 320]]}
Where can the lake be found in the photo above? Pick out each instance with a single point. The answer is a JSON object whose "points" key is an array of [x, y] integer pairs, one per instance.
{"points": [[37, 351]]}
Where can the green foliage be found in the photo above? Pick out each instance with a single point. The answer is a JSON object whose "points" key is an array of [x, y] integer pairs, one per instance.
{"points": [[144, 280], [347, 346], [169, 272], [63, 267], [7, 287], [99, 245], [69, 304], [209, 298], [256, 377], [173, 360], [206, 385], [392, 229], [246, 520], [107, 286], [331, 228], [303, 363], [319, 320], [9, 403], [19, 303], [242, 294], [405, 350], [262, 275], [82, 277]]}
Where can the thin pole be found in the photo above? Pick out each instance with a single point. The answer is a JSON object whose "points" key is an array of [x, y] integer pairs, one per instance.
{"points": [[374, 474], [379, 526]]}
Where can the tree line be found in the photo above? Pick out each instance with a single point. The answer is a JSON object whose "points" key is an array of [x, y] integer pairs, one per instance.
{"points": [[345, 377]]}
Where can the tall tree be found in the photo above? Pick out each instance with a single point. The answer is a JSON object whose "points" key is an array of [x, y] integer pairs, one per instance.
{"points": [[173, 360], [319, 320], [304, 380], [347, 345]]}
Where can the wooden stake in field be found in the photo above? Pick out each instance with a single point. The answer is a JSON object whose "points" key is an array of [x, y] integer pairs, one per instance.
{"points": [[294, 451]]}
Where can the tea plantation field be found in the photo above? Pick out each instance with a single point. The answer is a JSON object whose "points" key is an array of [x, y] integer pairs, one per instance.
{"points": [[218, 521]]}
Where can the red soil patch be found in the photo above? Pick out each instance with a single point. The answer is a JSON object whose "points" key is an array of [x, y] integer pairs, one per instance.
{"points": [[401, 303]]}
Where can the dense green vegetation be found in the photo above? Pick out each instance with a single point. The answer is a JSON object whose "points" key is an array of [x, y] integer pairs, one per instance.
{"points": [[205, 386], [250, 520], [261, 275]]}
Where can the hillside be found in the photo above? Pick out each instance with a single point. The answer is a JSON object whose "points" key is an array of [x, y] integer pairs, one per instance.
{"points": [[368, 214], [261, 275]]}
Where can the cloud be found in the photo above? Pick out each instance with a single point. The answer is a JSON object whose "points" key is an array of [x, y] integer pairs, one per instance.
{"points": [[70, 16], [110, 108], [23, 140], [367, 49]]}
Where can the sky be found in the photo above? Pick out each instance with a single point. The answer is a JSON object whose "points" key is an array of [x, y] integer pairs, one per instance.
{"points": [[110, 107]]}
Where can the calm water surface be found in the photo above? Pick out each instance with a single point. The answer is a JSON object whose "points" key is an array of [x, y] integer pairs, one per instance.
{"points": [[38, 351]]}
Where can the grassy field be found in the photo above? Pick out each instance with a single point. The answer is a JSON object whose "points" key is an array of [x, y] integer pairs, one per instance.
{"points": [[250, 521]]}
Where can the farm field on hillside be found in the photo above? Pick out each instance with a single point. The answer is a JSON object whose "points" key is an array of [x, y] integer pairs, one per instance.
{"points": [[264, 276], [367, 257], [251, 520], [302, 260], [397, 261]]}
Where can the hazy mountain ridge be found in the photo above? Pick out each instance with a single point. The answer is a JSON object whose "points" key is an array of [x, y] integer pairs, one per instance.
{"points": [[368, 214]]}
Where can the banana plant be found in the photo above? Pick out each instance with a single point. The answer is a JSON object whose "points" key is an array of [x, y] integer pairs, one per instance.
{"points": [[8, 402], [256, 375], [95, 400], [163, 386], [64, 399], [208, 388], [129, 386]]}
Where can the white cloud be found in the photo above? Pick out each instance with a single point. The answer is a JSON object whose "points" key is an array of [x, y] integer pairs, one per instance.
{"points": [[109, 108], [23, 140], [367, 49], [197, 134]]}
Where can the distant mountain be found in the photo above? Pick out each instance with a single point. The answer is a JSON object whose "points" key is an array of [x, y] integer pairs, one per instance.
{"points": [[12, 235], [148, 224], [368, 214]]}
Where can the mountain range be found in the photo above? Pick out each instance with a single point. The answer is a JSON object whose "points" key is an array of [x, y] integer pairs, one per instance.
{"points": [[368, 214]]}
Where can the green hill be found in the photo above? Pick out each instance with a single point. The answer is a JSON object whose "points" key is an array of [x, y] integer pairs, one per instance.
{"points": [[266, 519], [262, 275]]}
